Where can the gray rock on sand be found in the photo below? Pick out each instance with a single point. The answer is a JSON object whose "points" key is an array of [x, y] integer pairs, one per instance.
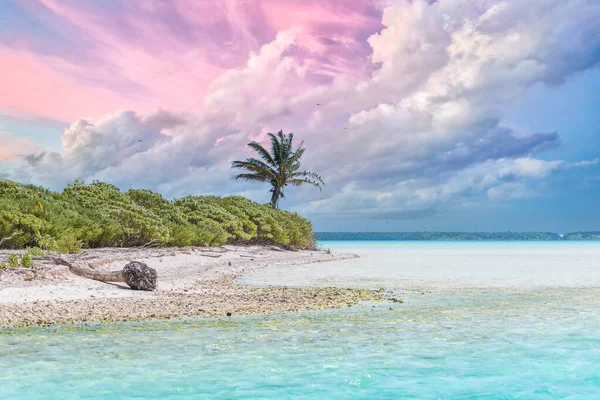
{"points": [[140, 276]]}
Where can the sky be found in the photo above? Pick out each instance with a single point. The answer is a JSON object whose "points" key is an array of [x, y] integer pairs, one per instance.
{"points": [[451, 115]]}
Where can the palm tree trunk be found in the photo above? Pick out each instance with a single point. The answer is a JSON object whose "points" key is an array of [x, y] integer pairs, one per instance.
{"points": [[103, 276], [136, 274], [275, 197]]}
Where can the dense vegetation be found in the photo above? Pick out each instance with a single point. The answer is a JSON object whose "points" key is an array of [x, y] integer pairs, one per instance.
{"points": [[516, 236], [100, 215]]}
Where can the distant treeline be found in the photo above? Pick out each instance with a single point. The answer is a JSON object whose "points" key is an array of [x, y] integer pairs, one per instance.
{"points": [[515, 236]]}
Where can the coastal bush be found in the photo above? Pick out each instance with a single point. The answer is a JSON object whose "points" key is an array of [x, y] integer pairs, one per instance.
{"points": [[13, 260], [26, 260], [34, 251], [46, 243], [201, 208], [25, 227], [68, 243], [100, 215], [124, 223]]}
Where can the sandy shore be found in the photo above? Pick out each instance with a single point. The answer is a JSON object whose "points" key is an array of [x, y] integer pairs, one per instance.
{"points": [[192, 282]]}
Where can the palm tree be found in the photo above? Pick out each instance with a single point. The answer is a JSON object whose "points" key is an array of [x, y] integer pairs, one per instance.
{"points": [[280, 167]]}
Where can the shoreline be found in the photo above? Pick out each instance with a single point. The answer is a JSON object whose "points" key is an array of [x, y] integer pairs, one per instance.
{"points": [[192, 283]]}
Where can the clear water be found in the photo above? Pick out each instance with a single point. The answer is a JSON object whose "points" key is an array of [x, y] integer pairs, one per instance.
{"points": [[477, 342]]}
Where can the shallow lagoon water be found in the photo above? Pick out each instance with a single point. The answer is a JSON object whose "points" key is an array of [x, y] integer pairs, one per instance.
{"points": [[445, 264], [488, 341]]}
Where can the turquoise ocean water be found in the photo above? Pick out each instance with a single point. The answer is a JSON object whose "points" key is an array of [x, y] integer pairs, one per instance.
{"points": [[480, 336]]}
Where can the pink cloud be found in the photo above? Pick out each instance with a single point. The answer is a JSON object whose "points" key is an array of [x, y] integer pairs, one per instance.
{"points": [[331, 33], [166, 54], [29, 85], [12, 146], [130, 76], [348, 15]]}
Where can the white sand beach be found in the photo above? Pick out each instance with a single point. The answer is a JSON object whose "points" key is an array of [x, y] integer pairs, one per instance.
{"points": [[192, 282]]}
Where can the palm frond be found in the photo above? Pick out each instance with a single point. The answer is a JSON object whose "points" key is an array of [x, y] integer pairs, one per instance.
{"points": [[251, 177], [294, 159], [264, 153], [276, 149], [306, 177], [252, 164], [300, 181], [287, 139]]}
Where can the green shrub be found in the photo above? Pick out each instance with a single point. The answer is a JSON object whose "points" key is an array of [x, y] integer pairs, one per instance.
{"points": [[3, 265], [125, 222], [46, 243], [27, 224], [100, 215], [34, 251], [26, 260], [68, 244], [13, 260], [182, 235]]}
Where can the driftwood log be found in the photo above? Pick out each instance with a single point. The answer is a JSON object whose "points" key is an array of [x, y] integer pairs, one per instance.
{"points": [[137, 275]]}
